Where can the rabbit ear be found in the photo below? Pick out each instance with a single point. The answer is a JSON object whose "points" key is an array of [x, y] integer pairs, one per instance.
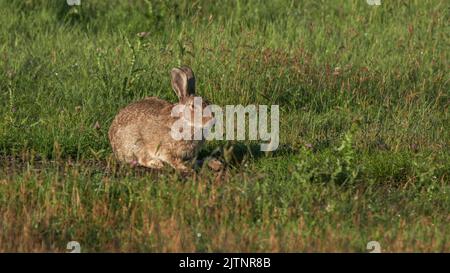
{"points": [[183, 81]]}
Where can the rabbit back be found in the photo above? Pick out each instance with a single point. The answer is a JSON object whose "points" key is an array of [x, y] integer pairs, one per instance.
{"points": [[141, 125]]}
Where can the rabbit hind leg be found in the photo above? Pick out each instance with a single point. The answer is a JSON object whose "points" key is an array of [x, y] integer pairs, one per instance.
{"points": [[153, 163]]}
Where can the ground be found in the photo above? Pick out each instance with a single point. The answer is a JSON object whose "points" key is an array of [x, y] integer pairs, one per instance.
{"points": [[364, 125]]}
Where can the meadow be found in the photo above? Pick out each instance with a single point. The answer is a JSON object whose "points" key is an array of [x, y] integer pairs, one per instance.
{"points": [[364, 149]]}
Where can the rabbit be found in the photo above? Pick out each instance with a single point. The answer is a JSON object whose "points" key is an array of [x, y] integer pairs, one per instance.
{"points": [[141, 132]]}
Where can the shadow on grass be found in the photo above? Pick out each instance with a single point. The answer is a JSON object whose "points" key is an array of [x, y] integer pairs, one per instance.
{"points": [[237, 153]]}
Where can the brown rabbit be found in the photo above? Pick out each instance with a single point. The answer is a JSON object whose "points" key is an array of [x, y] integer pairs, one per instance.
{"points": [[141, 132]]}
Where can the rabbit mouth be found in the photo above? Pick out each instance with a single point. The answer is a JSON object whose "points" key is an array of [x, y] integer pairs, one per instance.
{"points": [[200, 124]]}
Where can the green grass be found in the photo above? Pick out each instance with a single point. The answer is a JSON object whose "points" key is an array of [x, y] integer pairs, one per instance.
{"points": [[364, 125]]}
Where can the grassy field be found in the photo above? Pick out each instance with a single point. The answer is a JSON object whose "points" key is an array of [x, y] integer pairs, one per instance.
{"points": [[364, 125]]}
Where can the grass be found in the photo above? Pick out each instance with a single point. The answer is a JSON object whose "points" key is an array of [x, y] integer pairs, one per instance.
{"points": [[364, 125]]}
